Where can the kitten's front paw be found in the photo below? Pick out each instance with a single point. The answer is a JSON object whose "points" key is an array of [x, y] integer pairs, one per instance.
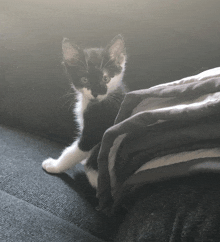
{"points": [[51, 165]]}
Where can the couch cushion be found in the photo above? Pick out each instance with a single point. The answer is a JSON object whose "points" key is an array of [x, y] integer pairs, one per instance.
{"points": [[23, 221], [68, 196]]}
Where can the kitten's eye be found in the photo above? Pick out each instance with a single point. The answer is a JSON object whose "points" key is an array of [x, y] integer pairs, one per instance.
{"points": [[106, 79], [84, 80]]}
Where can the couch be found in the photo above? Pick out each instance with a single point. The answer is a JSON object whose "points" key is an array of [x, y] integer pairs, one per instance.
{"points": [[165, 41]]}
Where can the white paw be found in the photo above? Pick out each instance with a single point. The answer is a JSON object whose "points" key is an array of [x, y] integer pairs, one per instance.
{"points": [[51, 165]]}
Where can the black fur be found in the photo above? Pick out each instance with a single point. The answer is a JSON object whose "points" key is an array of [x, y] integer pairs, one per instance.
{"points": [[96, 65], [98, 117], [92, 69]]}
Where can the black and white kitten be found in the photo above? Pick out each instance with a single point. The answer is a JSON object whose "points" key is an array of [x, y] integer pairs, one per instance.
{"points": [[96, 75]]}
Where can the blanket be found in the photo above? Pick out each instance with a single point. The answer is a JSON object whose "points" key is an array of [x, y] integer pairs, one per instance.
{"points": [[166, 131]]}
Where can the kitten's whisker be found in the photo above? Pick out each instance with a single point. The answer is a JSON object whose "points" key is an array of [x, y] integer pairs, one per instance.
{"points": [[64, 103], [72, 104], [68, 94], [87, 66], [106, 63], [101, 63]]}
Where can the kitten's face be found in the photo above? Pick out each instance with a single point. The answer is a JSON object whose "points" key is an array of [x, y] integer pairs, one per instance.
{"points": [[95, 72]]}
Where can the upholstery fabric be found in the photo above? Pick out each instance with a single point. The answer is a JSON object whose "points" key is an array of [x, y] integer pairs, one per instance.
{"points": [[159, 134], [36, 206], [179, 210], [165, 42]]}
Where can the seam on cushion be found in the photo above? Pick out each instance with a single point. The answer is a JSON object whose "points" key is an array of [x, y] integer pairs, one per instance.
{"points": [[41, 208], [45, 211]]}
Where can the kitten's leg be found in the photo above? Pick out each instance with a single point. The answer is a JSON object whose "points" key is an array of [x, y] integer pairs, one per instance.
{"points": [[71, 156]]}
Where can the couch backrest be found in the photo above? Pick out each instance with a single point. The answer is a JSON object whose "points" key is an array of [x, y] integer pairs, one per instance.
{"points": [[165, 40]]}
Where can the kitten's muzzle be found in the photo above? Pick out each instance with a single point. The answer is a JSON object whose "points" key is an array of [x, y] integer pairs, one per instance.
{"points": [[99, 90]]}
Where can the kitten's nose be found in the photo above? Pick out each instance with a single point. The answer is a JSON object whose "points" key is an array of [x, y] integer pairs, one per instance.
{"points": [[95, 95]]}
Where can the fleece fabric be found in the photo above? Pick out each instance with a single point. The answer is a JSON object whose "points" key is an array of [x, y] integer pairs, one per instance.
{"points": [[166, 131]]}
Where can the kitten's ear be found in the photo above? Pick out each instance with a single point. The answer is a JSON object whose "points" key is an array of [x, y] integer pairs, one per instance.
{"points": [[116, 50], [72, 54]]}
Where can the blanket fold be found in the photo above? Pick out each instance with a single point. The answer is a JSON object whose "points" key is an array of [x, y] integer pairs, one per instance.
{"points": [[166, 128]]}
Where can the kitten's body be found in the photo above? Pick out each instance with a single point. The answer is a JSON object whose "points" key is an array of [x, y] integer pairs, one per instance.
{"points": [[96, 75]]}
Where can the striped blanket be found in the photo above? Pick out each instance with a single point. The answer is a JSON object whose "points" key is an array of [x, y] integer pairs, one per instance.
{"points": [[166, 131]]}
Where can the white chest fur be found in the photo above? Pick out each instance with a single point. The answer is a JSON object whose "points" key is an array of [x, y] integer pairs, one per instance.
{"points": [[81, 104]]}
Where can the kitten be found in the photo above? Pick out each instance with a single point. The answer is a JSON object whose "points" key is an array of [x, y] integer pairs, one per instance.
{"points": [[96, 75]]}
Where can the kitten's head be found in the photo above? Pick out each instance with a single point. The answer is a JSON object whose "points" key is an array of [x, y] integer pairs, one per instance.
{"points": [[95, 72]]}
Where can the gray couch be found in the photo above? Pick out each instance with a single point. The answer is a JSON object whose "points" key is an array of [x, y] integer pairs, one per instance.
{"points": [[165, 41]]}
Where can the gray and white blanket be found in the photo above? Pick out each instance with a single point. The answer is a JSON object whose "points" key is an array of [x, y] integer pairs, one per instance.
{"points": [[166, 131]]}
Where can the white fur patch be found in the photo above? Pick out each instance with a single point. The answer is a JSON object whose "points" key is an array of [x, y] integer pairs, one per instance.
{"points": [[115, 82], [87, 95], [81, 104], [92, 177], [71, 156]]}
